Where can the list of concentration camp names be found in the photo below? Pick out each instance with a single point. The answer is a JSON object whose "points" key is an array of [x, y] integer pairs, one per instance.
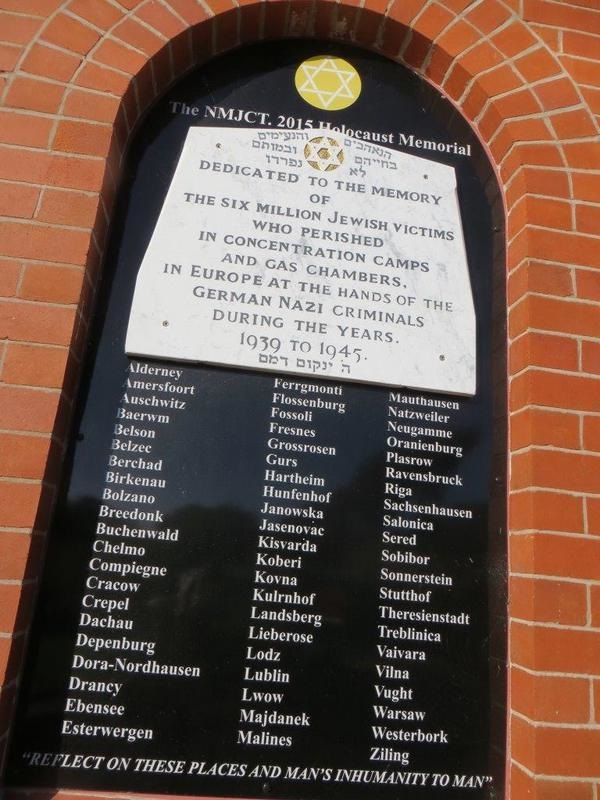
{"points": [[278, 717], [129, 553]]}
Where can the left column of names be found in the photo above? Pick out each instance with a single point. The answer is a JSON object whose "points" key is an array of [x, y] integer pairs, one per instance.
{"points": [[128, 557]]}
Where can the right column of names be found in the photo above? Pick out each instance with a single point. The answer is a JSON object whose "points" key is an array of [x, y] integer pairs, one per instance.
{"points": [[416, 609]]}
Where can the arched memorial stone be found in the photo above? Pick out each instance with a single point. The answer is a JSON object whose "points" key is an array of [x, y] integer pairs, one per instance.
{"points": [[277, 565]]}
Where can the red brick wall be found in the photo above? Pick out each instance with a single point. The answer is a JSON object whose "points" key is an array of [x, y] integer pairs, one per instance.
{"points": [[76, 77]]}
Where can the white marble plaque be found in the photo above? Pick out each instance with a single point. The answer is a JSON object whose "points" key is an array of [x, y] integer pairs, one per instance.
{"points": [[313, 253]]}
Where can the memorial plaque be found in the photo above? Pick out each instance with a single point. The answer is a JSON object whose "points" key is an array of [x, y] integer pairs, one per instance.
{"points": [[348, 282], [277, 564]]}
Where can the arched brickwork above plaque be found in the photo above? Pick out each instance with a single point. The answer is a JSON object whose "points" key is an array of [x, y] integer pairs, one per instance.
{"points": [[80, 76]]}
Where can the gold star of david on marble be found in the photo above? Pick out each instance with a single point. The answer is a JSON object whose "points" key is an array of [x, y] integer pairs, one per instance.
{"points": [[324, 153], [327, 82]]}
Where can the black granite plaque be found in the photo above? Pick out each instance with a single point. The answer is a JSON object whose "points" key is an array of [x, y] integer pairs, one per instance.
{"points": [[263, 584]]}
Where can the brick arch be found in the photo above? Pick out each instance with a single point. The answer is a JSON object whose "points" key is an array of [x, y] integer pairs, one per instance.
{"points": [[86, 71]]}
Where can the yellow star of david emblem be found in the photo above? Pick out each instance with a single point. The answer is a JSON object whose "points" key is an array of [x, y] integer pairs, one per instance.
{"points": [[324, 153], [327, 82]]}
